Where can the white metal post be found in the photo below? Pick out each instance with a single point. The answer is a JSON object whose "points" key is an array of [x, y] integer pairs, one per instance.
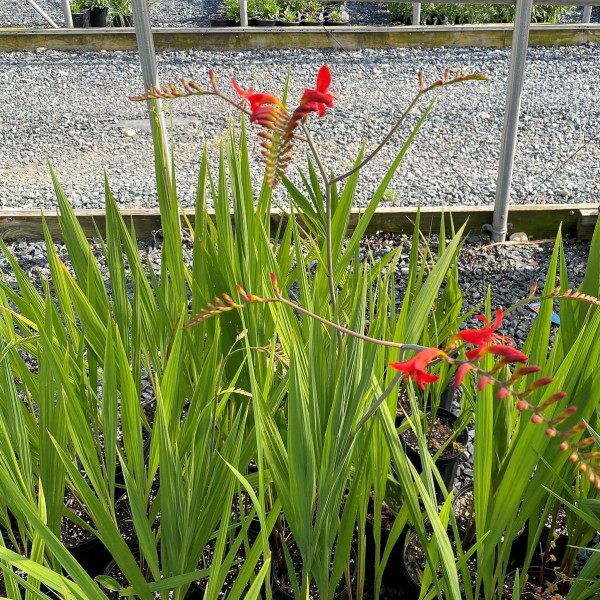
{"points": [[587, 14], [145, 41], [416, 15], [67, 13], [244, 13], [512, 108], [44, 16]]}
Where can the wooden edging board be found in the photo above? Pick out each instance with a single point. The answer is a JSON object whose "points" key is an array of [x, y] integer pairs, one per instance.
{"points": [[349, 37], [538, 222]]}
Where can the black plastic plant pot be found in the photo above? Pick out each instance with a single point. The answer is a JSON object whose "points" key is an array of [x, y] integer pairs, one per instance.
{"points": [[98, 17], [554, 540], [112, 570], [341, 594], [262, 22], [92, 555], [311, 23], [221, 21], [538, 587], [462, 504], [330, 23], [122, 21], [446, 465], [447, 396], [463, 511], [413, 555], [288, 23], [81, 20], [392, 576]]}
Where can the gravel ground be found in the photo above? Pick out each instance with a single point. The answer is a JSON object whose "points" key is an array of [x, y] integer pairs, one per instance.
{"points": [[71, 108], [194, 13]]}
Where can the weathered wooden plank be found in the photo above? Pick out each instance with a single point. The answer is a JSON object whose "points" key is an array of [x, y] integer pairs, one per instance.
{"points": [[350, 37], [587, 223], [536, 221]]}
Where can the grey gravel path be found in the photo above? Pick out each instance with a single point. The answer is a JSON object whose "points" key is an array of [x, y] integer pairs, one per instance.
{"points": [[71, 108]]}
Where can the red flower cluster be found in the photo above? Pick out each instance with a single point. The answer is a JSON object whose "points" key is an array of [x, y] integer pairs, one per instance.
{"points": [[269, 112], [486, 341]]}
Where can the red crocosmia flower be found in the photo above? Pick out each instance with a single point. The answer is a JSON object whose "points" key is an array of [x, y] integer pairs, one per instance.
{"points": [[321, 97], [256, 99], [269, 112], [415, 367], [484, 335], [508, 353]]}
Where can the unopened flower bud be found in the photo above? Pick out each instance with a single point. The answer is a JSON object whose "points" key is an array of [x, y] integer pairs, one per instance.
{"points": [[483, 382], [422, 80], [274, 282], [563, 446], [521, 404], [536, 419], [502, 393], [583, 467], [573, 458], [526, 371], [550, 432]]}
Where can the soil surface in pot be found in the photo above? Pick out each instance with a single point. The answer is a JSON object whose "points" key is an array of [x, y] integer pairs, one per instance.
{"points": [[533, 590], [232, 575], [283, 579], [437, 436], [559, 526], [71, 534], [463, 510], [415, 560], [125, 517], [118, 576]]}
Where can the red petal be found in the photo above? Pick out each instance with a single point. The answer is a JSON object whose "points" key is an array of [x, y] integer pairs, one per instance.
{"points": [[404, 367], [423, 378], [323, 79], [497, 319], [317, 96], [239, 90], [484, 319]]}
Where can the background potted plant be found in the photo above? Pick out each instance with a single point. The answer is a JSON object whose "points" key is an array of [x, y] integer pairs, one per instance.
{"points": [[263, 13], [80, 13], [312, 13], [228, 15], [288, 17], [99, 13], [121, 13]]}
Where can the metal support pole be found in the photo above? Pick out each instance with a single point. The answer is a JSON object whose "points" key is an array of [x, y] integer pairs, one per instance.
{"points": [[587, 14], [516, 75], [416, 16], [145, 41], [43, 14], [244, 13], [67, 13]]}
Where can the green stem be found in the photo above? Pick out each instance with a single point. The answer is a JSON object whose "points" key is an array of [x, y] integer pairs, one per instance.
{"points": [[328, 215]]}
